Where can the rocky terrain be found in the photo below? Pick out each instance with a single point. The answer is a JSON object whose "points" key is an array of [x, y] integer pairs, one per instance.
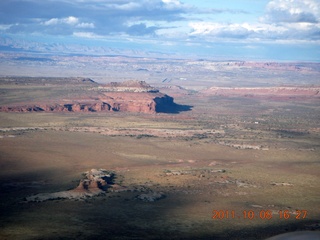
{"points": [[266, 92], [127, 86], [98, 182], [124, 102], [130, 96], [294, 66], [193, 74], [195, 175], [95, 182]]}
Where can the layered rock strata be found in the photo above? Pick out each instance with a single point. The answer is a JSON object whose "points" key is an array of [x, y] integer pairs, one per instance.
{"points": [[132, 96], [125, 102]]}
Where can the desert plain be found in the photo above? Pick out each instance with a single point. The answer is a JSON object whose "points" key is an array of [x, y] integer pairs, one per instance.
{"points": [[222, 163]]}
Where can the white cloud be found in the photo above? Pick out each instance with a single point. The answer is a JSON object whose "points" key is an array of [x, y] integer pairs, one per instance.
{"points": [[144, 5], [5, 26], [278, 11], [86, 35], [233, 30], [125, 7], [70, 20], [85, 25], [172, 3], [286, 20], [104, 17], [256, 31], [52, 21]]}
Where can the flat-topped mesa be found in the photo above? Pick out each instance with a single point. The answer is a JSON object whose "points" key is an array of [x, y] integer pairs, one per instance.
{"points": [[45, 81], [130, 96], [127, 86]]}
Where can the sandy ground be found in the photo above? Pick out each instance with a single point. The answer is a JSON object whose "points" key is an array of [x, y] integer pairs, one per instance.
{"points": [[189, 174], [228, 169]]}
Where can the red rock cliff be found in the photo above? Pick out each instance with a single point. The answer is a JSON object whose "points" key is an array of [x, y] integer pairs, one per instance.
{"points": [[132, 96]]}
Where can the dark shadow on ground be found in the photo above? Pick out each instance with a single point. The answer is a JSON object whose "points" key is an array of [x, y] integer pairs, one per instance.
{"points": [[173, 108], [117, 216]]}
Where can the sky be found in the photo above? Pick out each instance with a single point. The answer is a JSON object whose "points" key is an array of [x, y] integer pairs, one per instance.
{"points": [[284, 30]]}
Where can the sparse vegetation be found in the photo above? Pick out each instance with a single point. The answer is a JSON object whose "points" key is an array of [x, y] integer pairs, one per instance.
{"points": [[237, 157]]}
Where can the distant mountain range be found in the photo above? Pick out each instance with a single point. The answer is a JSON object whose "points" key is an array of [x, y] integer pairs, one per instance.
{"points": [[8, 44]]}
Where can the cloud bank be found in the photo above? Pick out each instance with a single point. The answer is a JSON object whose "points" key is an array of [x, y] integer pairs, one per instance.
{"points": [[163, 22], [99, 17], [284, 20]]}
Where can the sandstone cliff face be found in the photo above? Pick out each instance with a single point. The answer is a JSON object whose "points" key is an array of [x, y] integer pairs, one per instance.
{"points": [[145, 104], [70, 107], [132, 96]]}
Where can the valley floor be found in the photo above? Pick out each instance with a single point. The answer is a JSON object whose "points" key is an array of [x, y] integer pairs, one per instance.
{"points": [[231, 168]]}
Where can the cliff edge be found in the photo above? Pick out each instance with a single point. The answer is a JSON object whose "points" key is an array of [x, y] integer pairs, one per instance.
{"points": [[88, 96]]}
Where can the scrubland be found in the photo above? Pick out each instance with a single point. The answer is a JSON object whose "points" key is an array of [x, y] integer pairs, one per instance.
{"points": [[227, 154]]}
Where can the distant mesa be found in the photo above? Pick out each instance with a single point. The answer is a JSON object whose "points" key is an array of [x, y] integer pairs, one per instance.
{"points": [[281, 93], [128, 86], [46, 81], [129, 96]]}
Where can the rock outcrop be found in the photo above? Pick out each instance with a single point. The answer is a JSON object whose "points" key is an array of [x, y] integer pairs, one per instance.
{"points": [[95, 182], [131, 96], [128, 86], [151, 196], [124, 102]]}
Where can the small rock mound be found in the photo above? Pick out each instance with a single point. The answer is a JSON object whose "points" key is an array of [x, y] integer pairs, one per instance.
{"points": [[151, 196], [95, 182]]}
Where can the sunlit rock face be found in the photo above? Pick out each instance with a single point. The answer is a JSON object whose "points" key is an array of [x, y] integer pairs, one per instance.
{"points": [[131, 96]]}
